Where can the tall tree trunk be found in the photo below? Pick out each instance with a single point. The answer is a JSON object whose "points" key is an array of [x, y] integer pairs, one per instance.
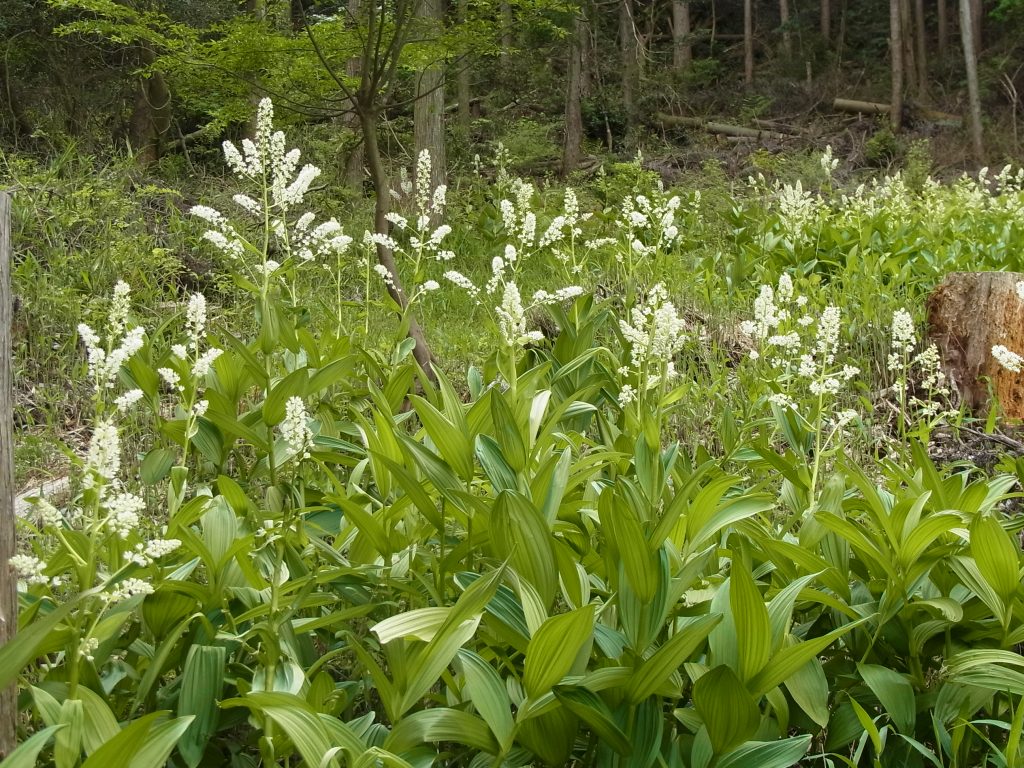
{"points": [[826, 20], [748, 41], [909, 65], [896, 56], [428, 112], [627, 42], [787, 34], [921, 45], [586, 53], [506, 22], [8, 542], [942, 43], [151, 114], [355, 158], [977, 24], [971, 64], [381, 208], [462, 83], [682, 46], [573, 97]]}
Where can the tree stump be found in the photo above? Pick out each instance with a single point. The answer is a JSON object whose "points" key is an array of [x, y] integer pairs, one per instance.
{"points": [[968, 314]]}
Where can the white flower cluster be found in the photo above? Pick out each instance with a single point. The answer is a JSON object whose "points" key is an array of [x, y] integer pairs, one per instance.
{"points": [[295, 428], [30, 569], [782, 328], [649, 226], [655, 332], [512, 314], [151, 551], [127, 589], [266, 163], [122, 343], [123, 513]]}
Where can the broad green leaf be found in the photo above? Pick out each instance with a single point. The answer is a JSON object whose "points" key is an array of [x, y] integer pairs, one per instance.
{"points": [[729, 712], [128, 743], [767, 754], [294, 716], [421, 624], [157, 465], [17, 652], [625, 536], [507, 432], [895, 693], [996, 556], [25, 755], [521, 536], [656, 670], [789, 660], [441, 724], [452, 441], [753, 629], [67, 748], [554, 647], [202, 681], [589, 708], [292, 385], [489, 696], [159, 742], [809, 688]]}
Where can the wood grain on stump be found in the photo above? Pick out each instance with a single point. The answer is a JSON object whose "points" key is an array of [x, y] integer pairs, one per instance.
{"points": [[968, 314]]}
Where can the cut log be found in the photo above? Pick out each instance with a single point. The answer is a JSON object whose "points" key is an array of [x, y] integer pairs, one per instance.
{"points": [[722, 128], [878, 108], [968, 314]]}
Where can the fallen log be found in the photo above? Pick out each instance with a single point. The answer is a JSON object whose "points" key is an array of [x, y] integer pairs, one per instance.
{"points": [[968, 314], [878, 108], [724, 129]]}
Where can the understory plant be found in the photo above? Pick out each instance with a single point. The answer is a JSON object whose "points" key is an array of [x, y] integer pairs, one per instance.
{"points": [[314, 552]]}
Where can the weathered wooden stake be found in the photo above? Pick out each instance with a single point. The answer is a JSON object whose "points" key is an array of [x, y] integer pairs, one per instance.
{"points": [[8, 584]]}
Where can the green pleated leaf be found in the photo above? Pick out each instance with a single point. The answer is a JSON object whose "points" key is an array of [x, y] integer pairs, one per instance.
{"points": [[753, 628], [729, 712], [202, 681], [17, 652], [767, 754], [507, 433], [626, 537], [895, 693], [159, 742], [521, 536], [129, 742], [489, 696], [441, 724], [295, 384], [589, 708], [809, 689], [996, 556], [68, 743], [452, 442], [28, 751], [294, 716], [554, 647], [655, 671], [157, 465]]}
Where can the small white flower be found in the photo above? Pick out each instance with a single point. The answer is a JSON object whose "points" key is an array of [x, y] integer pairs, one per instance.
{"points": [[295, 427], [431, 285], [29, 568], [1008, 359], [128, 399]]}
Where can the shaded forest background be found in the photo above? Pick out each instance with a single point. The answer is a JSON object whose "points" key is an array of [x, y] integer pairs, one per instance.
{"points": [[560, 83]]}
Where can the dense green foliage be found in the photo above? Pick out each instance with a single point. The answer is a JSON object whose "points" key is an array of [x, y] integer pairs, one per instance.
{"points": [[646, 535]]}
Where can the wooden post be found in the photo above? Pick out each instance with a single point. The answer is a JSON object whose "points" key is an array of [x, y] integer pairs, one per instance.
{"points": [[8, 583]]}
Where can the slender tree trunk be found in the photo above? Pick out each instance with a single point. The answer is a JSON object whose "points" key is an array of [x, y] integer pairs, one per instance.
{"points": [[971, 64], [627, 42], [151, 115], [748, 41], [921, 44], [896, 56], [977, 24], [787, 34], [826, 20], [682, 46], [586, 53], [506, 22], [909, 59], [382, 206], [354, 159], [573, 96], [428, 111], [8, 583], [942, 43], [462, 82]]}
